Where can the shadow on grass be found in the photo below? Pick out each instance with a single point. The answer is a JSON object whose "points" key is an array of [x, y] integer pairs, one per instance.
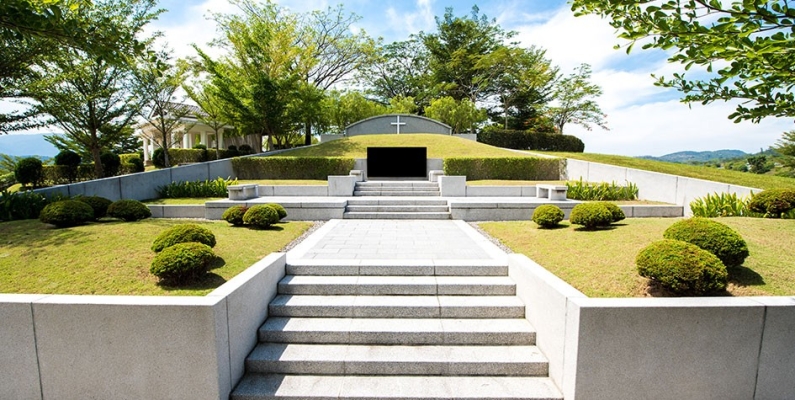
{"points": [[597, 229], [208, 281], [743, 276], [555, 228]]}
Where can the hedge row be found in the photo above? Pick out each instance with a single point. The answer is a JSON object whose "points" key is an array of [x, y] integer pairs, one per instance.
{"points": [[291, 167], [522, 140], [189, 156], [509, 168], [60, 174]]}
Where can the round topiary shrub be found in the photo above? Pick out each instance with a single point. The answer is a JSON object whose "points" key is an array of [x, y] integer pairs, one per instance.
{"points": [[159, 158], [712, 236], [129, 210], [773, 202], [29, 171], [681, 267], [234, 215], [282, 213], [245, 149], [183, 233], [260, 216], [98, 204], [182, 263], [591, 215], [70, 161], [111, 163], [615, 211], [66, 213], [547, 216]]}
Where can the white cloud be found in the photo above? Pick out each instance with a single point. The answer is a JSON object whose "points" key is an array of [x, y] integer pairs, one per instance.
{"points": [[405, 23], [194, 27]]}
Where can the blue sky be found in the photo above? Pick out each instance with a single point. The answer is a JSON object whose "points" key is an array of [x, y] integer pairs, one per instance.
{"points": [[643, 119]]}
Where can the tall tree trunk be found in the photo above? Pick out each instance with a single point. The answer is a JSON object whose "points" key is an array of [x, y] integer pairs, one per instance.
{"points": [[98, 170], [307, 133]]}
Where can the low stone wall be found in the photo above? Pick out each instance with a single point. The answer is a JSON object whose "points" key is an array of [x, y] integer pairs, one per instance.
{"points": [[104, 347], [653, 186], [661, 348]]}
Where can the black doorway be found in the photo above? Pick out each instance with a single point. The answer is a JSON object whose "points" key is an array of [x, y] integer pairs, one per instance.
{"points": [[396, 162]]}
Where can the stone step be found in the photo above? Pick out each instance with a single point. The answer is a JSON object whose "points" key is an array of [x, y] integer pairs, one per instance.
{"points": [[396, 215], [403, 193], [279, 358], [437, 268], [405, 188], [397, 285], [391, 184], [391, 331], [399, 209], [397, 202], [363, 306], [310, 387]]}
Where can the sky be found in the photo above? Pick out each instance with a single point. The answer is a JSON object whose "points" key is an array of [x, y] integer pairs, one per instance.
{"points": [[643, 119]]}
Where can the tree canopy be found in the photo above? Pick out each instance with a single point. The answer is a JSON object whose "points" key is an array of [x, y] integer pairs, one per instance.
{"points": [[743, 48]]}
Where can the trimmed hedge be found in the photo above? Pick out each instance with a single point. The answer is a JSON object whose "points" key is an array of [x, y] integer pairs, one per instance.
{"points": [[279, 210], [772, 203], [522, 140], [66, 213], [291, 167], [615, 210], [712, 236], [29, 171], [129, 210], [547, 216], [681, 267], [98, 204], [234, 215], [591, 215], [509, 168], [183, 233], [261, 216], [187, 156], [131, 163], [182, 263]]}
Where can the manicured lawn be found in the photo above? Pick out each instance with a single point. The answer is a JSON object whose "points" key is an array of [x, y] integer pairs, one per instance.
{"points": [[439, 146], [183, 201], [691, 171], [602, 263], [113, 258]]}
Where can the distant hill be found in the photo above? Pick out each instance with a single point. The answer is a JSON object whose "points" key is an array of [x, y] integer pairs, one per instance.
{"points": [[27, 145], [698, 156]]}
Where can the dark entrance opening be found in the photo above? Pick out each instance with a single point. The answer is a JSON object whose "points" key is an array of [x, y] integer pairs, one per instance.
{"points": [[396, 162]]}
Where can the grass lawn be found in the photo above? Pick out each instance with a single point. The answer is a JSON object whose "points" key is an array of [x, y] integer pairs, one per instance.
{"points": [[602, 263], [183, 201], [285, 182], [691, 171], [439, 146], [113, 258]]}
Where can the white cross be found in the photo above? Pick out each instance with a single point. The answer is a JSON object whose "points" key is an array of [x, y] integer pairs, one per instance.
{"points": [[398, 124]]}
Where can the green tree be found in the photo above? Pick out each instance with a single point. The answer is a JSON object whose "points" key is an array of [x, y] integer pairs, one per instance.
{"points": [[575, 101], [400, 70], [402, 105], [211, 109], [343, 109], [744, 48], [460, 115], [786, 147]]}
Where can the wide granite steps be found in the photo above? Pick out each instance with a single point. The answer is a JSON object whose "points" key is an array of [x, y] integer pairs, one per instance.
{"points": [[397, 285], [395, 268], [397, 188]]}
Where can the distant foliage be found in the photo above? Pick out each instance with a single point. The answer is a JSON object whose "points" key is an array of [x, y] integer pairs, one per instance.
{"points": [[522, 140], [66, 213], [111, 163], [183, 233], [712, 236], [182, 263], [129, 210], [291, 167], [547, 216], [591, 215], [682, 268], [510, 168], [29, 171], [587, 191], [187, 189]]}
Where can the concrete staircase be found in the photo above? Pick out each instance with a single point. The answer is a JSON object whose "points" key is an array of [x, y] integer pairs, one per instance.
{"points": [[375, 208], [397, 188], [396, 332]]}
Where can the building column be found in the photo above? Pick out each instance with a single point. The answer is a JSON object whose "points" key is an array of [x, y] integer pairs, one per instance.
{"points": [[147, 143], [220, 139]]}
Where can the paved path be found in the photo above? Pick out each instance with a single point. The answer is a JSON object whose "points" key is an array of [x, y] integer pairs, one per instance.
{"points": [[394, 241]]}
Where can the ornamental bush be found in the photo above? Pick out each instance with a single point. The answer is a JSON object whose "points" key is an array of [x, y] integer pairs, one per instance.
{"points": [[129, 210], [111, 163], [66, 213], [547, 216], [772, 203], [591, 215], [279, 210], [615, 211], [682, 268], [98, 204], [260, 216], [182, 263], [70, 161], [234, 215], [183, 233], [712, 236], [29, 171]]}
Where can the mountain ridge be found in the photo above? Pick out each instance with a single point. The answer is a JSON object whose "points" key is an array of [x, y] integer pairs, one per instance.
{"points": [[698, 156]]}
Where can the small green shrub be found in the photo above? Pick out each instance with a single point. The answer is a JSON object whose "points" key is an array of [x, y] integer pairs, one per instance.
{"points": [[773, 203], [525, 140], [70, 161], [182, 263], [245, 149], [159, 158], [29, 171], [66, 213], [712, 236], [98, 204], [510, 168], [186, 189], [591, 215], [681, 267], [111, 163], [722, 205], [615, 211], [129, 210], [547, 216], [291, 167], [131, 163], [279, 210], [260, 216], [183, 233], [234, 215], [587, 191]]}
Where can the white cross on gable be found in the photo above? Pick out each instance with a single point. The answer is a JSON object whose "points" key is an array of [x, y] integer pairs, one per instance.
{"points": [[398, 124]]}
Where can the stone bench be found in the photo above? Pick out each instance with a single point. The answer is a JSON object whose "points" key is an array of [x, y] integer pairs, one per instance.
{"points": [[434, 175], [358, 174], [243, 192], [551, 192]]}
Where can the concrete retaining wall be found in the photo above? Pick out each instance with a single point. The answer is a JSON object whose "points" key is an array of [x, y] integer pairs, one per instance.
{"points": [[660, 348], [103, 347], [653, 186]]}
